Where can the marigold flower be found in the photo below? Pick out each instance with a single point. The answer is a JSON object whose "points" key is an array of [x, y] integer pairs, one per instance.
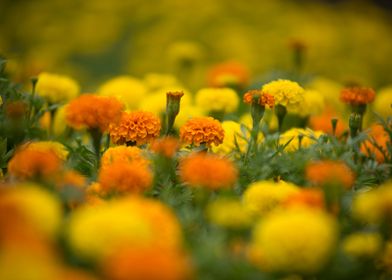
{"points": [[123, 154], [313, 104], [383, 103], [357, 95], [277, 247], [59, 123], [323, 123], [135, 127], [325, 172], [306, 197], [208, 171], [228, 74], [202, 130], [286, 93], [93, 112], [58, 148], [264, 99], [156, 81], [122, 177], [217, 99], [379, 138], [166, 146], [56, 88], [362, 245]]}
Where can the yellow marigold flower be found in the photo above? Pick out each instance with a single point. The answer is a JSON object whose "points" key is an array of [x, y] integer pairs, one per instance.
{"points": [[229, 73], [313, 104], [362, 245], [156, 81], [265, 99], [286, 93], [123, 154], [202, 130], [309, 137], [136, 263], [122, 177], [383, 103], [357, 95], [186, 113], [135, 127], [228, 212], [59, 124], [326, 172], [41, 209], [262, 197], [128, 90], [129, 222], [184, 53], [208, 171], [93, 112], [330, 90], [217, 99], [31, 162], [277, 247], [166, 146], [56, 88]]}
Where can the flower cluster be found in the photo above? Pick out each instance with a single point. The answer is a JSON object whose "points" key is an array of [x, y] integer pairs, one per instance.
{"points": [[264, 99], [357, 95]]}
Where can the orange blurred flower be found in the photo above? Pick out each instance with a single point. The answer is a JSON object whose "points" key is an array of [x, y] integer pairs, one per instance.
{"points": [[264, 100], [209, 171], [357, 95], [91, 112], [122, 177], [166, 146], [228, 73], [123, 154], [306, 197], [138, 127], [323, 123], [380, 138], [202, 130], [326, 172], [152, 263], [16, 109]]}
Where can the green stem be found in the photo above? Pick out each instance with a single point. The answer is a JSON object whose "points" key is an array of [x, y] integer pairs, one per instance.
{"points": [[96, 136]]}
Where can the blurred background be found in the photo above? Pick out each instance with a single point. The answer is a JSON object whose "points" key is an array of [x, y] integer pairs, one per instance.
{"points": [[93, 40]]}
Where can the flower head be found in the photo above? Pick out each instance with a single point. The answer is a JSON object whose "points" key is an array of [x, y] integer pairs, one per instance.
{"points": [[377, 145], [263, 99], [56, 88], [383, 103], [323, 123], [228, 74], [93, 112], [139, 127], [286, 93], [217, 99], [310, 197], [208, 171], [362, 245], [202, 130], [123, 154], [166, 146], [357, 95], [325, 172], [313, 104]]}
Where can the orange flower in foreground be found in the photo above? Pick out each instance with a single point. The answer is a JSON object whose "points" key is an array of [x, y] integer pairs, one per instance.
{"points": [[379, 138], [323, 123], [228, 73], [123, 154], [305, 197], [138, 127], [202, 130], [166, 146], [92, 111], [357, 95], [326, 172], [264, 100], [148, 264], [209, 171], [121, 177]]}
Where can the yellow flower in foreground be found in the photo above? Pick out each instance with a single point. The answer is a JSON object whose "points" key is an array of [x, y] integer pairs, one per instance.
{"points": [[286, 93], [309, 137], [362, 244], [98, 231], [298, 240], [56, 88], [263, 196], [383, 103], [217, 99], [128, 90]]}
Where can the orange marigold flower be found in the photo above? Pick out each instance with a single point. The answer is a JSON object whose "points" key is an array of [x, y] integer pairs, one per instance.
{"points": [[379, 138], [71, 178], [357, 95], [123, 154], [228, 73], [323, 123], [92, 111], [166, 146], [202, 130], [136, 263], [306, 197], [136, 127], [208, 171], [121, 177], [265, 99], [326, 172], [29, 163]]}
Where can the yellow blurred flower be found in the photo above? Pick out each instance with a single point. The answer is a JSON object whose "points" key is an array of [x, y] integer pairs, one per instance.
{"points": [[383, 103], [156, 81], [59, 149], [298, 240], [262, 197], [313, 104], [128, 90], [228, 212], [362, 244], [56, 88], [286, 93], [59, 124], [187, 112], [217, 99], [309, 137], [184, 52]]}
